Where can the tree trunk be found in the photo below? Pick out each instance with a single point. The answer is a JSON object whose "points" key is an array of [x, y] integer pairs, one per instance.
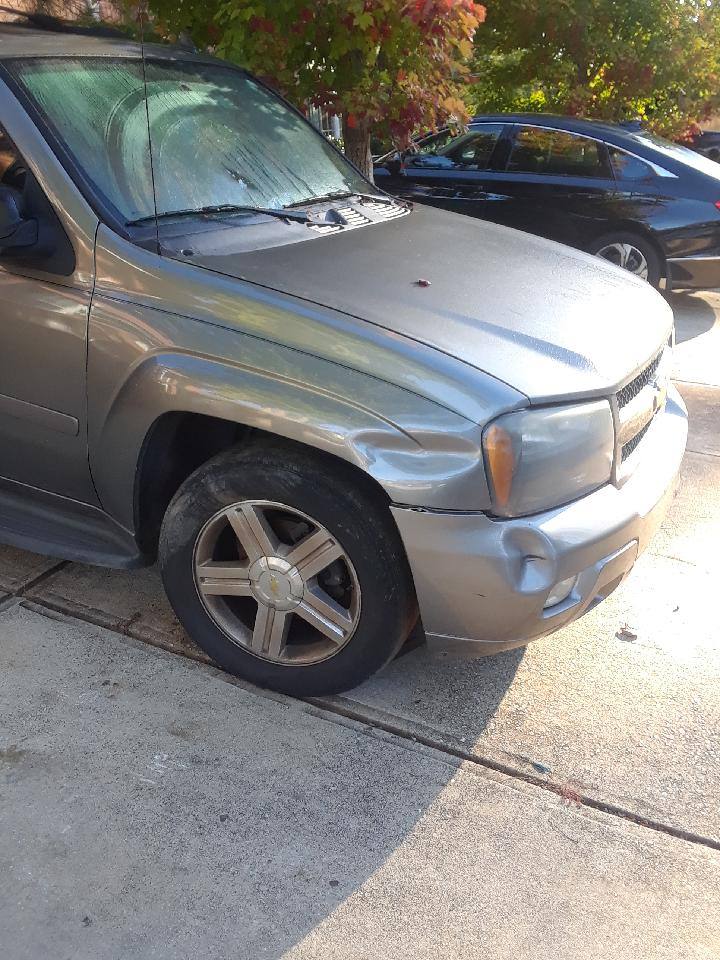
{"points": [[357, 147]]}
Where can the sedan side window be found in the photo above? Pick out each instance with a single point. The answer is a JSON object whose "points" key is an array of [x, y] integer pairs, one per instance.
{"points": [[476, 148], [469, 151], [543, 150], [434, 143], [627, 167]]}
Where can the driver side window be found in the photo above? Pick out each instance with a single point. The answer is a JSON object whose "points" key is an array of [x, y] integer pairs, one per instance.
{"points": [[12, 167], [30, 233]]}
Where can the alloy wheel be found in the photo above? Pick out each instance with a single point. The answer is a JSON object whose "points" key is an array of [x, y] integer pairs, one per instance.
{"points": [[627, 256], [276, 582]]}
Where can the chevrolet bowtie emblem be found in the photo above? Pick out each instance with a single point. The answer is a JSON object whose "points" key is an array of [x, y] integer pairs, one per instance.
{"points": [[658, 395], [274, 586]]}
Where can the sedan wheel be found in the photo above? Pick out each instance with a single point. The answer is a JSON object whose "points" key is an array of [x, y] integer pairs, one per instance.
{"points": [[631, 252], [627, 256], [277, 582]]}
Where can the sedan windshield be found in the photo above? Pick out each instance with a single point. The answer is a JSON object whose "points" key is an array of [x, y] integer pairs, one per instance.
{"points": [[217, 138]]}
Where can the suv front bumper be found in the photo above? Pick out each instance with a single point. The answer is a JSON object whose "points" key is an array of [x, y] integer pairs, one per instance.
{"points": [[482, 584]]}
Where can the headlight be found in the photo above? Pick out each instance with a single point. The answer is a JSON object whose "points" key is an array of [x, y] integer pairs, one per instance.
{"points": [[537, 459]]}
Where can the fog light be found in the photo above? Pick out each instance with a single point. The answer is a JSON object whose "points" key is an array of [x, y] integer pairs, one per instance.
{"points": [[561, 591]]}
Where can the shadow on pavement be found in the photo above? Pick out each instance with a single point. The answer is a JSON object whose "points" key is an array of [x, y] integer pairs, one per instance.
{"points": [[442, 685], [693, 316]]}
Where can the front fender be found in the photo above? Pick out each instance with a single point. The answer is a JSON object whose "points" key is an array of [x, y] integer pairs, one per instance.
{"points": [[144, 363]]}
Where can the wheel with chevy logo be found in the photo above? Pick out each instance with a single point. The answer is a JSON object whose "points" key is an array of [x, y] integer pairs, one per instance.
{"points": [[287, 569]]}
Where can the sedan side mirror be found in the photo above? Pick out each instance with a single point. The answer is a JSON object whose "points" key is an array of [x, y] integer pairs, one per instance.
{"points": [[14, 230]]}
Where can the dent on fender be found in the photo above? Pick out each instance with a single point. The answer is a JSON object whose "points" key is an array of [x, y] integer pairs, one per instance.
{"points": [[416, 450], [168, 337]]}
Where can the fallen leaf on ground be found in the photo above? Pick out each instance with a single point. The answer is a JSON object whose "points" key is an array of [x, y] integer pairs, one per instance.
{"points": [[569, 793]]}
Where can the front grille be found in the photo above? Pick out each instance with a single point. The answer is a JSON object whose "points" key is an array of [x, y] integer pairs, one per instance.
{"points": [[632, 445], [638, 403], [632, 389]]}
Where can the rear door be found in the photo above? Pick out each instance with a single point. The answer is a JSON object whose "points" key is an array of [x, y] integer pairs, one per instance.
{"points": [[453, 175], [556, 184], [638, 185]]}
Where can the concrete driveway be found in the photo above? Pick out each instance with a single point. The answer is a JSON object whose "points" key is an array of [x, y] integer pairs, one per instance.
{"points": [[560, 801]]}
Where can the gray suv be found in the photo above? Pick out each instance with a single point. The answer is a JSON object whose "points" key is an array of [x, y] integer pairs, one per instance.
{"points": [[327, 412]]}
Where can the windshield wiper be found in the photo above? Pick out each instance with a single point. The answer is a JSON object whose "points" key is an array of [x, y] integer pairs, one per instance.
{"points": [[343, 195], [282, 214]]}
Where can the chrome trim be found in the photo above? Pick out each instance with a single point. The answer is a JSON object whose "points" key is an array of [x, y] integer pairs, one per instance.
{"points": [[698, 259]]}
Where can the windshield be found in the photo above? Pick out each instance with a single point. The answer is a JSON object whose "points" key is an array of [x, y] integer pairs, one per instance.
{"points": [[218, 138], [677, 152]]}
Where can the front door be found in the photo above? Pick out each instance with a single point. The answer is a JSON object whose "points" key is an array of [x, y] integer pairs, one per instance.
{"points": [[453, 176], [44, 305]]}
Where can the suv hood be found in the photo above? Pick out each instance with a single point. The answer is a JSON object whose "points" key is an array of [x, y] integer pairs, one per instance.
{"points": [[544, 318]]}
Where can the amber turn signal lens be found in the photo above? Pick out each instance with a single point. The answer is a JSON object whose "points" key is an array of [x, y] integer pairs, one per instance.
{"points": [[501, 462]]}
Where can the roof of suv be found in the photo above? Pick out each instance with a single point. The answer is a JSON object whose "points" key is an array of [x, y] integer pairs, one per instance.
{"points": [[20, 41]]}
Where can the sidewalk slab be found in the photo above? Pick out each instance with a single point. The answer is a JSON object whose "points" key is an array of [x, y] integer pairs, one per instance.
{"points": [[129, 601], [697, 337], [18, 568], [629, 722], [691, 528], [703, 405], [151, 808]]}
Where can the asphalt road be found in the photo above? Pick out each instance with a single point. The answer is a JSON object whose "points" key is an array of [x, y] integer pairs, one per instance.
{"points": [[524, 805]]}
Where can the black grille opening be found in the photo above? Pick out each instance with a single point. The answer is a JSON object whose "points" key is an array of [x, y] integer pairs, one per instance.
{"points": [[632, 389], [631, 445]]}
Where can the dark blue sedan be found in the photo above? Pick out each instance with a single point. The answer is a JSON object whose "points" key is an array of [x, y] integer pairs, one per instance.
{"points": [[648, 205]]}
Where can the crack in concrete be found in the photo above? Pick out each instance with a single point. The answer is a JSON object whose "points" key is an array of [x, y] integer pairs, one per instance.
{"points": [[38, 579], [439, 743]]}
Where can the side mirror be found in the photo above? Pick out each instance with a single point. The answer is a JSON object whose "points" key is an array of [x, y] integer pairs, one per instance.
{"points": [[14, 230]]}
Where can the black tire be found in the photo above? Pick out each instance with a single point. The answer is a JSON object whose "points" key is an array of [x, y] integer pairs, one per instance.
{"points": [[645, 246], [350, 510]]}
